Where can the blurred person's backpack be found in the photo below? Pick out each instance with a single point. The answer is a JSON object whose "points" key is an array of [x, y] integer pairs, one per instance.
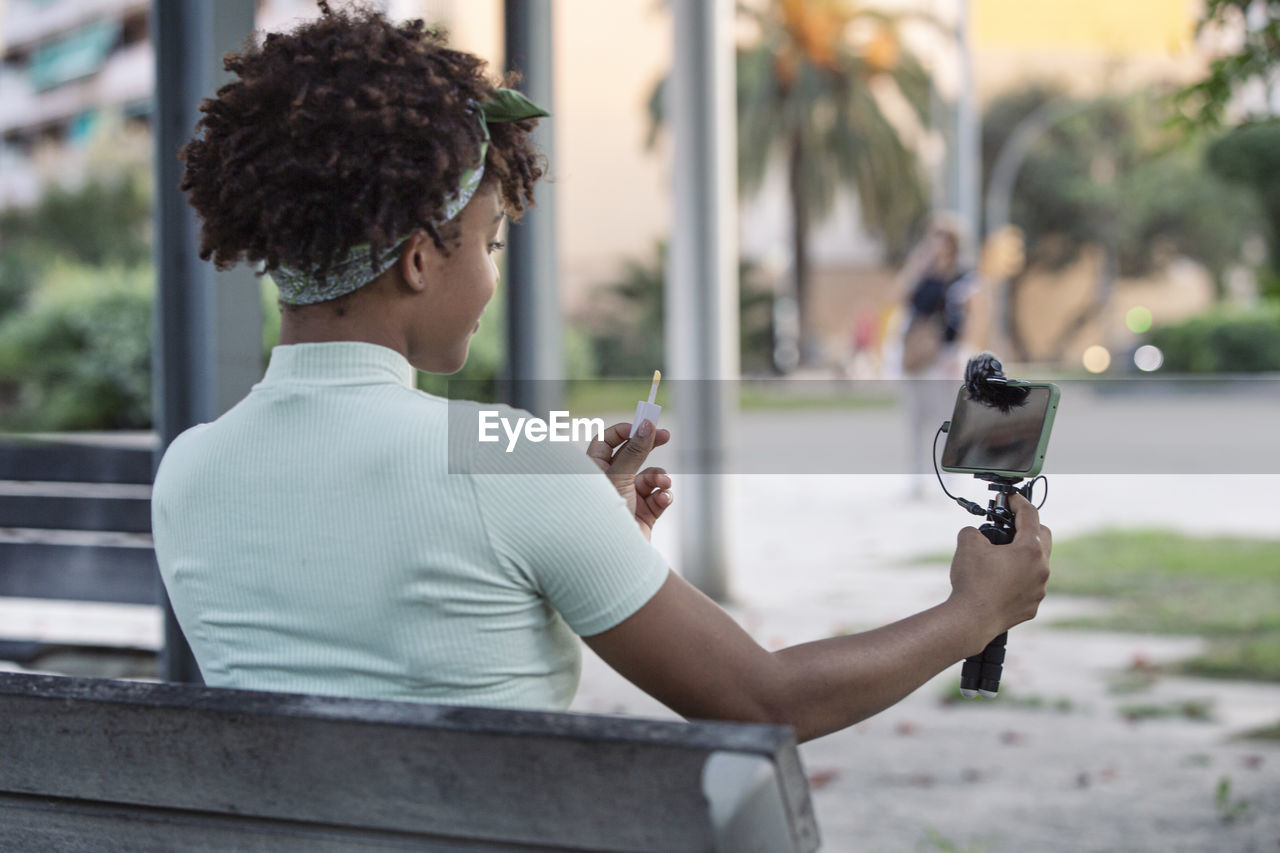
{"points": [[922, 342], [937, 315]]}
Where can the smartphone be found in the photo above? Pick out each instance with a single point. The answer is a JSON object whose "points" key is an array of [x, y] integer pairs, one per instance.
{"points": [[984, 440]]}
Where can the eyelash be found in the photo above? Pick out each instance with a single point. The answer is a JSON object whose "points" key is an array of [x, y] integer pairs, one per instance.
{"points": [[496, 247]]}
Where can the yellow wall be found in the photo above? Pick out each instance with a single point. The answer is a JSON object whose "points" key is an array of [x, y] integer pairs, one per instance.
{"points": [[1119, 28]]}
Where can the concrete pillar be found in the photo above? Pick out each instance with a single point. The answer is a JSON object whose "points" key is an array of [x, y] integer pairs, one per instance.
{"points": [[701, 311], [534, 334], [207, 334]]}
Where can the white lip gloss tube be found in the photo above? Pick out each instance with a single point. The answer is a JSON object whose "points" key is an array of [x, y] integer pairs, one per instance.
{"points": [[649, 409]]}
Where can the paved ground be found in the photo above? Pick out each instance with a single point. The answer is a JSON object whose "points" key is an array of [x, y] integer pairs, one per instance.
{"points": [[1054, 765]]}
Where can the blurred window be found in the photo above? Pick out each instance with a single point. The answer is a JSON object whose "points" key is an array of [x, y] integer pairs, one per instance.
{"points": [[81, 128], [73, 56], [135, 29]]}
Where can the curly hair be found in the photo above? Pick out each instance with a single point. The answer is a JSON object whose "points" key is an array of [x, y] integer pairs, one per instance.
{"points": [[348, 130]]}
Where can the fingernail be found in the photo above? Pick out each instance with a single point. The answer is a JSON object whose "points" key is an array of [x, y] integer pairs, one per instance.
{"points": [[645, 428], [666, 497]]}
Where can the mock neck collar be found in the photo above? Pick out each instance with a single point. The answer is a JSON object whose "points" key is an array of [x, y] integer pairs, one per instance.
{"points": [[339, 363]]}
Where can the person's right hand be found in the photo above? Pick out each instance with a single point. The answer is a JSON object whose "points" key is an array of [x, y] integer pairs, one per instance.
{"points": [[999, 586], [619, 455]]}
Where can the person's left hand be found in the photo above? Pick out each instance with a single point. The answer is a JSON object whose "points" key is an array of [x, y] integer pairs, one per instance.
{"points": [[647, 493]]}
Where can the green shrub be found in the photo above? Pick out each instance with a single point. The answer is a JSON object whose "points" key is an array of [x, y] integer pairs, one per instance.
{"points": [[21, 266], [1249, 156], [77, 355], [270, 317], [628, 335], [104, 222], [1223, 341]]}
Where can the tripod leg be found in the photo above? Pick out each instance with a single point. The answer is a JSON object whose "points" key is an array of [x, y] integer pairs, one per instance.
{"points": [[980, 675]]}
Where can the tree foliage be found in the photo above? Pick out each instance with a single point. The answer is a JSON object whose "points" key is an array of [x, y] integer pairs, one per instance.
{"points": [[805, 89], [1256, 61], [1112, 173], [1249, 157], [806, 96]]}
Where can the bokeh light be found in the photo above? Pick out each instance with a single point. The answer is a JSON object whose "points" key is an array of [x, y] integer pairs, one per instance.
{"points": [[1096, 359], [1138, 319], [1148, 358]]}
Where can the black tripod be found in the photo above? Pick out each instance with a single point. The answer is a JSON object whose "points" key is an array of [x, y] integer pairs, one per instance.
{"points": [[980, 675]]}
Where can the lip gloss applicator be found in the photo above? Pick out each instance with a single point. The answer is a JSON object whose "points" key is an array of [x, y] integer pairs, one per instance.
{"points": [[649, 409]]}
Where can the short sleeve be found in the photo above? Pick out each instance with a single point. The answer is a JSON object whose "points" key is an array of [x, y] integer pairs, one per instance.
{"points": [[553, 516]]}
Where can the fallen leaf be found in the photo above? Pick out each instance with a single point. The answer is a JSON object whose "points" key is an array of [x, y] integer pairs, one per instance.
{"points": [[819, 779]]}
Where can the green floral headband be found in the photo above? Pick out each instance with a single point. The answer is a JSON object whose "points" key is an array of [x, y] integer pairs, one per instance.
{"points": [[355, 269]]}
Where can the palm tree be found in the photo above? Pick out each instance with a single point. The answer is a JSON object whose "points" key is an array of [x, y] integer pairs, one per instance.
{"points": [[805, 93]]}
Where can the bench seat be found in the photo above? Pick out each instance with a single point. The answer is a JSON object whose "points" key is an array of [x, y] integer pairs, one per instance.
{"points": [[94, 764]]}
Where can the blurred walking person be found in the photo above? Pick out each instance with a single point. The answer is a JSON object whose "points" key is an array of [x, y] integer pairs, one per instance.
{"points": [[933, 294], [943, 316]]}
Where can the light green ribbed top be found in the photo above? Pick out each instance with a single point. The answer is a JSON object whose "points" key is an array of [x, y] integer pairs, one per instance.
{"points": [[313, 539]]}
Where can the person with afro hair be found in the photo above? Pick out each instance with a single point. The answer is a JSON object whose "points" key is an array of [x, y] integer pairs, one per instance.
{"points": [[340, 532]]}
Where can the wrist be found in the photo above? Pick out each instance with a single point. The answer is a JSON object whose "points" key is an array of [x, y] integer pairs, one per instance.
{"points": [[974, 626]]}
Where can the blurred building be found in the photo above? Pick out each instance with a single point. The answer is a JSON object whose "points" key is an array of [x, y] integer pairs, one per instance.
{"points": [[67, 67], [71, 68]]}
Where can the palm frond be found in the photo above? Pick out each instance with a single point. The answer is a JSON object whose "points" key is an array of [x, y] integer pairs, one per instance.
{"points": [[916, 85], [656, 108]]}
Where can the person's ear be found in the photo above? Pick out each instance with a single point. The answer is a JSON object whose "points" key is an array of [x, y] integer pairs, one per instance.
{"points": [[417, 260]]}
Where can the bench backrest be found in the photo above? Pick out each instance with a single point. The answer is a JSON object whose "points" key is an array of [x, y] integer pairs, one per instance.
{"points": [[75, 519], [111, 765]]}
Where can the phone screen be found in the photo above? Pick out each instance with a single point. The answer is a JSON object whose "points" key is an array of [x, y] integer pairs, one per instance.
{"points": [[983, 438]]}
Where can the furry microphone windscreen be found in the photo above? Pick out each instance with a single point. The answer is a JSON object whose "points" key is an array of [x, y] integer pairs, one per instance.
{"points": [[986, 383]]}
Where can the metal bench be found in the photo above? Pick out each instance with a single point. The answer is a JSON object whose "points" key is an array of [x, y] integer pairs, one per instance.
{"points": [[90, 764], [75, 525]]}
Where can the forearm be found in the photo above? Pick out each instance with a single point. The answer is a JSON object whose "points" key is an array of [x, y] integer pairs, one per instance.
{"points": [[688, 653], [829, 684]]}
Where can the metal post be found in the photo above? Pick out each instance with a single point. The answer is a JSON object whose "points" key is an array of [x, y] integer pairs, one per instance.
{"points": [[701, 311], [968, 129], [534, 334], [942, 175], [207, 334]]}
